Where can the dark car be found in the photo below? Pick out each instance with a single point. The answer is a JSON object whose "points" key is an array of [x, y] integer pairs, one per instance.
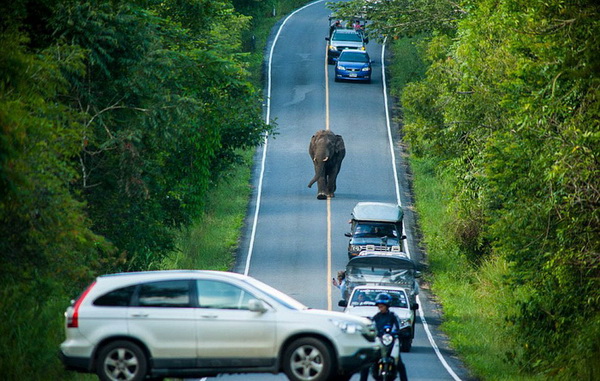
{"points": [[375, 226], [353, 65], [344, 39]]}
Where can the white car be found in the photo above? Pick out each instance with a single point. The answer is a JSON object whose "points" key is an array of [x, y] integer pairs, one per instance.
{"points": [[362, 303], [159, 324]]}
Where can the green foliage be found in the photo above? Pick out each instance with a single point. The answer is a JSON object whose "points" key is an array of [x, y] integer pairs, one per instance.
{"points": [[510, 107], [47, 247], [116, 118], [402, 18], [211, 242], [168, 105]]}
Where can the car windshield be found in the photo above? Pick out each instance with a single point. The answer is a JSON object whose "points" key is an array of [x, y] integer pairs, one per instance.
{"points": [[375, 230], [367, 297], [347, 37], [282, 298], [353, 57]]}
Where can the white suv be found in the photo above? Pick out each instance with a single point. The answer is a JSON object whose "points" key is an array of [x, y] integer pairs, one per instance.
{"points": [[362, 303], [133, 326]]}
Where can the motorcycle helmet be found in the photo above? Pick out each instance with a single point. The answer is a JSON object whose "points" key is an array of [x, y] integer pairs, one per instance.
{"points": [[383, 298]]}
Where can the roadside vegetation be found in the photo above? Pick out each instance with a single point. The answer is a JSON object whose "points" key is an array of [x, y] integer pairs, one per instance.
{"points": [[501, 113], [127, 129]]}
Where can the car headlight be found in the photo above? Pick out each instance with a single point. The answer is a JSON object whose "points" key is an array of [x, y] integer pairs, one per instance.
{"points": [[356, 248], [347, 326], [387, 339], [363, 48], [404, 322], [341, 67], [331, 47], [366, 68]]}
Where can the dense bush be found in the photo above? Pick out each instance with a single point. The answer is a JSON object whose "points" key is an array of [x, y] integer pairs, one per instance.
{"points": [[509, 106], [117, 117]]}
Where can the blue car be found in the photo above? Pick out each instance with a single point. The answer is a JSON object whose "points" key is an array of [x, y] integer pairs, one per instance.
{"points": [[353, 65]]}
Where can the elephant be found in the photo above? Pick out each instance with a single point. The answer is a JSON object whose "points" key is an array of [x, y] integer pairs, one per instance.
{"points": [[327, 151]]}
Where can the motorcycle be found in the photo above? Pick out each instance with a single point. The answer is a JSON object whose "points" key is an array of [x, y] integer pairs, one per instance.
{"points": [[385, 368]]}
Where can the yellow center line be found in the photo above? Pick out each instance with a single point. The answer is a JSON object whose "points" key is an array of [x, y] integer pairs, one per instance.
{"points": [[329, 296]]}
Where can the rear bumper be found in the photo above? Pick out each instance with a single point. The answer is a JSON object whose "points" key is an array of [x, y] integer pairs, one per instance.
{"points": [[79, 364]]}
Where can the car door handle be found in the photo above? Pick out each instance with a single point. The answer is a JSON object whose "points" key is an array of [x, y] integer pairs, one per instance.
{"points": [[139, 315], [209, 316]]}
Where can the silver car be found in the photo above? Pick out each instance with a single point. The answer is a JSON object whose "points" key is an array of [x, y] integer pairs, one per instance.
{"points": [[362, 303], [158, 324]]}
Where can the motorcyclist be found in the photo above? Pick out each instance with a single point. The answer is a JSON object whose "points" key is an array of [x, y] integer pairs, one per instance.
{"points": [[384, 318]]}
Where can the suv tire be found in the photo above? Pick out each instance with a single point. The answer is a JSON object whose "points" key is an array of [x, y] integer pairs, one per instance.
{"points": [[121, 360], [308, 359]]}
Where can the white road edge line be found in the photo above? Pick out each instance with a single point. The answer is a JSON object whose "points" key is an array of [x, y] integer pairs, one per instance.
{"points": [[262, 172], [397, 183], [266, 141]]}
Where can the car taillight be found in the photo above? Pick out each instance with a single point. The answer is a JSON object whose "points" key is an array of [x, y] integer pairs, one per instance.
{"points": [[73, 320]]}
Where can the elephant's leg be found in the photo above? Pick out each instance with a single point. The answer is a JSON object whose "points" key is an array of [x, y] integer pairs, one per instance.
{"points": [[322, 187], [332, 181]]}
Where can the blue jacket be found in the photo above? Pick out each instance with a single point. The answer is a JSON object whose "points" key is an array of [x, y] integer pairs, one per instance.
{"points": [[385, 319]]}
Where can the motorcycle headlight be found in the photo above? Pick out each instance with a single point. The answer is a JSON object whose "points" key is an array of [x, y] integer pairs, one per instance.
{"points": [[387, 339], [347, 327]]}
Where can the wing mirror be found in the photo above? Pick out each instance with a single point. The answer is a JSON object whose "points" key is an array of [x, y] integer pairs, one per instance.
{"points": [[414, 306], [348, 234], [343, 303], [256, 305], [417, 274], [402, 237], [326, 38]]}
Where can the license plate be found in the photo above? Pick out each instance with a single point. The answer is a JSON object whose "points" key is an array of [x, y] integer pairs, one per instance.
{"points": [[352, 75]]}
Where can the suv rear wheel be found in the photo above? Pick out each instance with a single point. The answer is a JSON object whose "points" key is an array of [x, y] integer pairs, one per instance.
{"points": [[308, 359], [121, 360]]}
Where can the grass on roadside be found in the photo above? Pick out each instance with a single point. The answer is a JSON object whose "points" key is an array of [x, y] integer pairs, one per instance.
{"points": [[211, 242], [475, 301]]}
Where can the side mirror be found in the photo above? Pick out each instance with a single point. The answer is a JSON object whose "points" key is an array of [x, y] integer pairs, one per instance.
{"points": [[414, 306], [326, 38], [348, 234], [343, 303], [402, 237], [366, 40], [417, 274], [256, 305]]}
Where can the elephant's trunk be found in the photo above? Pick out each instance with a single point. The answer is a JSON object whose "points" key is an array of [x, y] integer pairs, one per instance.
{"points": [[319, 168]]}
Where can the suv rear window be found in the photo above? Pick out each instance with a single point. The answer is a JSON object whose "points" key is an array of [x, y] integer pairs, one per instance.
{"points": [[117, 298], [169, 294]]}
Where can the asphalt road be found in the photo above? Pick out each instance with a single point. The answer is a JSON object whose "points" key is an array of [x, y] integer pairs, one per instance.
{"points": [[295, 242]]}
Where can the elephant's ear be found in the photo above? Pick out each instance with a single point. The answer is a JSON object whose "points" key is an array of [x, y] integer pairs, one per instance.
{"points": [[311, 147], [339, 143]]}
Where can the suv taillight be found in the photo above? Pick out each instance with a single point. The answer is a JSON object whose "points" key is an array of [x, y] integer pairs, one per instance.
{"points": [[73, 320]]}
